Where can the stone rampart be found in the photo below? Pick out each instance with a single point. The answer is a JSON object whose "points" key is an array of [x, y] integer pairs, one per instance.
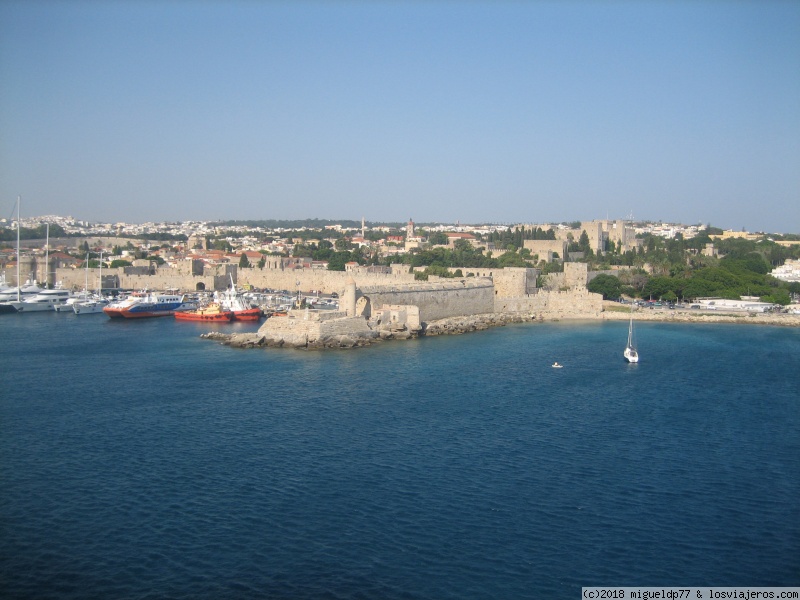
{"points": [[308, 328], [437, 300], [316, 279], [580, 301]]}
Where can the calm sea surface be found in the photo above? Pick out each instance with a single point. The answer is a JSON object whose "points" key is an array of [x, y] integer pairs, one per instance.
{"points": [[139, 461]]}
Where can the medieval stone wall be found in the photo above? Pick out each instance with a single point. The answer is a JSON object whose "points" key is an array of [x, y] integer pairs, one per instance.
{"points": [[435, 300], [508, 282], [545, 248], [300, 327], [570, 302], [576, 275]]}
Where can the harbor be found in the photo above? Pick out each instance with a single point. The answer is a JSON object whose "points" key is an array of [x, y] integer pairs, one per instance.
{"points": [[142, 461]]}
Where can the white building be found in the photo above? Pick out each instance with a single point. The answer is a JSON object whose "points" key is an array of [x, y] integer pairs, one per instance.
{"points": [[789, 271]]}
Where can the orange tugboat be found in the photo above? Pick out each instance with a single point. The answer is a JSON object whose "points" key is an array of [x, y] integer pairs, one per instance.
{"points": [[212, 312]]}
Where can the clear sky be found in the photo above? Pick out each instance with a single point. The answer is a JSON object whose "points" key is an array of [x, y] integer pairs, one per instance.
{"points": [[471, 111]]}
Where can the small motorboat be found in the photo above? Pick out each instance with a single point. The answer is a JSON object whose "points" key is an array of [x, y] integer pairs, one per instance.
{"points": [[211, 312], [556, 365]]}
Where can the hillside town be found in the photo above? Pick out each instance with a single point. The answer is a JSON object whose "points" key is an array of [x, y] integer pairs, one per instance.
{"points": [[409, 275], [221, 242]]}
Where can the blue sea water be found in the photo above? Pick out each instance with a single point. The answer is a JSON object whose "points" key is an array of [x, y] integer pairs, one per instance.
{"points": [[140, 461]]}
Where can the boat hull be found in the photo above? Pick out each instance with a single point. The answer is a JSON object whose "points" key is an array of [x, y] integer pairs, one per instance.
{"points": [[88, 308], [218, 318], [213, 313], [251, 314], [631, 355], [127, 313], [148, 307]]}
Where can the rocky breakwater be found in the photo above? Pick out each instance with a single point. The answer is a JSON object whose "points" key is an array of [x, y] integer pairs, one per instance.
{"points": [[468, 323], [312, 331]]}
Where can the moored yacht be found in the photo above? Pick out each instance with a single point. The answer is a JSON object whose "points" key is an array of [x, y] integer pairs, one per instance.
{"points": [[91, 306], [46, 300]]}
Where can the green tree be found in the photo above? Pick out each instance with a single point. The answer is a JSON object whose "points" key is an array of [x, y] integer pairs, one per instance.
{"points": [[438, 238], [244, 263], [607, 285]]}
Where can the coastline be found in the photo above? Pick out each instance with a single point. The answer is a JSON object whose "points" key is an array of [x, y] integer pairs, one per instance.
{"points": [[612, 311]]}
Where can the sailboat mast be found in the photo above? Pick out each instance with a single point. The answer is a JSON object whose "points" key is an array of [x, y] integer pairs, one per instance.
{"points": [[47, 258], [19, 283]]}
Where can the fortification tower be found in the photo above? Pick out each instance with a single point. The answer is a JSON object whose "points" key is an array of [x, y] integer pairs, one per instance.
{"points": [[349, 297]]}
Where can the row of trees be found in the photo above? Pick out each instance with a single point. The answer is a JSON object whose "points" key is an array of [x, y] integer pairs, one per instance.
{"points": [[681, 272]]}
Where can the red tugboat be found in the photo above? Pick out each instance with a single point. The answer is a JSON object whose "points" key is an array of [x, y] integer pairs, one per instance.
{"points": [[210, 313], [233, 301]]}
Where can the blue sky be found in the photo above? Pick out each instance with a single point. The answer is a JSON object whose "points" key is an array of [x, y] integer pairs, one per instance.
{"points": [[469, 111]]}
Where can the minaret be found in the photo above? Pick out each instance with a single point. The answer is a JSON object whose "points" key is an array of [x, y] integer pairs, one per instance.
{"points": [[363, 230], [410, 230]]}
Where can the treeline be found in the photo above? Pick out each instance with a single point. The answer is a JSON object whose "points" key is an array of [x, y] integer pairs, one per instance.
{"points": [[680, 271], [9, 234], [518, 235], [462, 255], [438, 259]]}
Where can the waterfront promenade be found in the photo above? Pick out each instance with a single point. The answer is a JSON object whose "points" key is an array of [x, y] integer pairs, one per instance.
{"points": [[613, 311]]}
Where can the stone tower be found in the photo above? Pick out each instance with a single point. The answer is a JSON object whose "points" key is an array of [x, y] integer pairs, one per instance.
{"points": [[349, 297]]}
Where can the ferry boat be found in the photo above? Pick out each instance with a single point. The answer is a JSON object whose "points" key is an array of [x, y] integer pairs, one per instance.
{"points": [[212, 312], [142, 305]]}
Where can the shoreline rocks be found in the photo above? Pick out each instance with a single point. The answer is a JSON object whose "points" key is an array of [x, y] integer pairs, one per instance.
{"points": [[361, 337]]}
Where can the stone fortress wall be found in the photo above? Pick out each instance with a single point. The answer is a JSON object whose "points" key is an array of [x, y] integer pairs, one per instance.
{"points": [[507, 282], [480, 291], [438, 300]]}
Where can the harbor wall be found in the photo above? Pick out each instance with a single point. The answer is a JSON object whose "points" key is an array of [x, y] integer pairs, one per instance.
{"points": [[301, 327], [508, 282], [574, 301], [437, 300], [481, 291]]}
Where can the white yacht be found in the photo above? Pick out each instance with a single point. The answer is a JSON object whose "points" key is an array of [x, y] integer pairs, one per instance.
{"points": [[89, 307], [28, 289], [43, 301]]}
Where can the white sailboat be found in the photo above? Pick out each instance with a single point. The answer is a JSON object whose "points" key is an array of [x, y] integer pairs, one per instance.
{"points": [[96, 303], [630, 353], [11, 299]]}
